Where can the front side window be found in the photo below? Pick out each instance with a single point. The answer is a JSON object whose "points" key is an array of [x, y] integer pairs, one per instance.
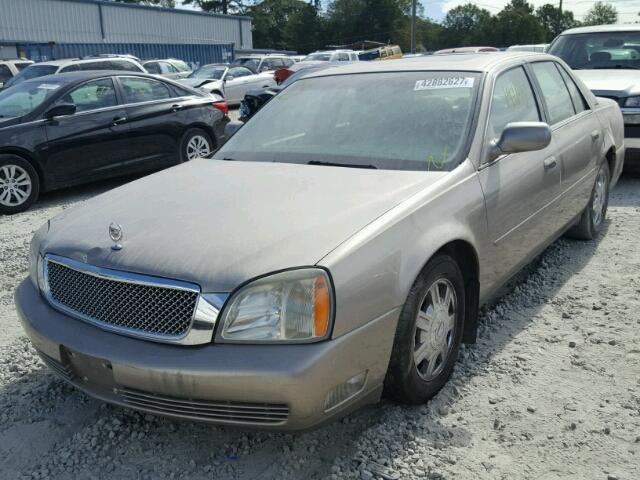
{"points": [[92, 95], [167, 68], [24, 98], [554, 91], [138, 90], [512, 101], [395, 120], [152, 67], [343, 57], [599, 50], [238, 72], [5, 73], [209, 72]]}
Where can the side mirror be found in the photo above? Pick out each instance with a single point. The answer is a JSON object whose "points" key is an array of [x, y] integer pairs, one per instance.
{"points": [[232, 127], [228, 78], [521, 137], [60, 110]]}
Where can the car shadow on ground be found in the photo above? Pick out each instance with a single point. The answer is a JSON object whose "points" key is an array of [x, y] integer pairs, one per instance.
{"points": [[130, 442]]}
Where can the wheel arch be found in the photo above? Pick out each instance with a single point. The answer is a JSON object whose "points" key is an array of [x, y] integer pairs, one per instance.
{"points": [[29, 158], [207, 129]]}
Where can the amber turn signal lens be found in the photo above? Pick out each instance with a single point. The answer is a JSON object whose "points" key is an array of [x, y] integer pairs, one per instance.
{"points": [[322, 307]]}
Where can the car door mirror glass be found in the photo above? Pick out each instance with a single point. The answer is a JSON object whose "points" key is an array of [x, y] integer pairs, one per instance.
{"points": [[60, 110], [521, 137]]}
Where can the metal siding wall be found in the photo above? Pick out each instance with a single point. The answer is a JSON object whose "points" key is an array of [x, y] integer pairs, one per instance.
{"points": [[197, 54], [67, 21]]}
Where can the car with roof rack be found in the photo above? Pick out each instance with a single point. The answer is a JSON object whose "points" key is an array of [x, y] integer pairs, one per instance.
{"points": [[169, 68], [10, 67]]}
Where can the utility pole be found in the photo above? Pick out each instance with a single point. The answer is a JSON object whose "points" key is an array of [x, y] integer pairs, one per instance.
{"points": [[559, 25], [413, 26]]}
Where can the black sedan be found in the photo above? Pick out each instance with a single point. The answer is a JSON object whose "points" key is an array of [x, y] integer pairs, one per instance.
{"points": [[73, 128]]}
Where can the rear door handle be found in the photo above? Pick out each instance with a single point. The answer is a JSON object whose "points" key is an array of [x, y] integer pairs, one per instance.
{"points": [[550, 163], [176, 107], [595, 135], [118, 121]]}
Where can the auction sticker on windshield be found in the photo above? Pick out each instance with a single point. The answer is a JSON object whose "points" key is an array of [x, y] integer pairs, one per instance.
{"points": [[444, 82], [48, 86]]}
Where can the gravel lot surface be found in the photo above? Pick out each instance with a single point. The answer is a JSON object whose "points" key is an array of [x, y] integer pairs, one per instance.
{"points": [[551, 389]]}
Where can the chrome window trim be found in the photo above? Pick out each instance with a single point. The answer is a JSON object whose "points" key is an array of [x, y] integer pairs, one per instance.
{"points": [[204, 317]]}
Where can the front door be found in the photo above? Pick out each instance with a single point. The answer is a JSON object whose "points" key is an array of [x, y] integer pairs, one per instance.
{"points": [[236, 83], [93, 142], [521, 189]]}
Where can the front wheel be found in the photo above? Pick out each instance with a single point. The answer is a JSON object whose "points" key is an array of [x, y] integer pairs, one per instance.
{"points": [[19, 184], [429, 333], [593, 216], [196, 143]]}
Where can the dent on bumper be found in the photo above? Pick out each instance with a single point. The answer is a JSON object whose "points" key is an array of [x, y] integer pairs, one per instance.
{"points": [[215, 377]]}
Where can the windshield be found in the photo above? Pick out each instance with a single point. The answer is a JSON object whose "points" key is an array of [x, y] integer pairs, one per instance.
{"points": [[395, 121], [34, 71], [209, 72], [23, 99], [318, 57], [251, 63], [599, 50]]}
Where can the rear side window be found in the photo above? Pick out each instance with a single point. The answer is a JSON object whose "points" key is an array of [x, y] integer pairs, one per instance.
{"points": [[5, 73], [92, 95], [512, 101], [124, 66], [579, 103], [95, 66], [70, 68], [554, 91], [138, 90]]}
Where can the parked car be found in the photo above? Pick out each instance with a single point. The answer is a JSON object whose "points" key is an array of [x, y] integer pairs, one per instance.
{"points": [[316, 58], [263, 63], [103, 62], [230, 82], [169, 68], [607, 59], [539, 47], [254, 100], [73, 128], [327, 252], [9, 68], [448, 51]]}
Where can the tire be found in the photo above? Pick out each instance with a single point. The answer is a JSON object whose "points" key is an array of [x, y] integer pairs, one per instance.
{"points": [[412, 383], [593, 216], [19, 184], [196, 143]]}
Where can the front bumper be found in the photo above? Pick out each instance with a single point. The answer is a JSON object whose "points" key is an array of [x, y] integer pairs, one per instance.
{"points": [[280, 387]]}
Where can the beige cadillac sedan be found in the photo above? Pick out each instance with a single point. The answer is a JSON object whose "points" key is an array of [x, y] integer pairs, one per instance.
{"points": [[335, 249]]}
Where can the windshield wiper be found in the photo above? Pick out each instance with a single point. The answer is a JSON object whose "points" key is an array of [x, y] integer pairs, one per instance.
{"points": [[335, 164]]}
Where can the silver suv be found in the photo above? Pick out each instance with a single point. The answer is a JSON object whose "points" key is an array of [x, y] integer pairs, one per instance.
{"points": [[110, 62], [9, 68]]}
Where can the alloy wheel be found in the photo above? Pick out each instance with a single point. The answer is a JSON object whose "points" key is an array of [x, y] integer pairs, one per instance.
{"points": [[599, 198], [198, 147], [435, 329], [15, 185]]}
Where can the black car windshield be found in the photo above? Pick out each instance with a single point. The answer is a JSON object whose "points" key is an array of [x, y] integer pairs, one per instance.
{"points": [[317, 57], [23, 99], [599, 50], [34, 71], [395, 120], [209, 72]]}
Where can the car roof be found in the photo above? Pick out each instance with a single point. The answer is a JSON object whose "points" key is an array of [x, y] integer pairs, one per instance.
{"points": [[65, 61], [72, 77], [478, 62], [603, 29]]}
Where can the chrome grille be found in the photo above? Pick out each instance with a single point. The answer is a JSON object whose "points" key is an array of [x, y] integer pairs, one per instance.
{"points": [[206, 410], [133, 307]]}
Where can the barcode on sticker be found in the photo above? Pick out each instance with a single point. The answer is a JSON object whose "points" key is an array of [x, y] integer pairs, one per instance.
{"points": [[444, 82]]}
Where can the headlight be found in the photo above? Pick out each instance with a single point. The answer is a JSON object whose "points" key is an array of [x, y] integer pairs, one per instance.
{"points": [[36, 269], [632, 101], [291, 306]]}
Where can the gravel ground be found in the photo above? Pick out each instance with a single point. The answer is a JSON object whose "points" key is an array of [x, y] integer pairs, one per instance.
{"points": [[551, 389]]}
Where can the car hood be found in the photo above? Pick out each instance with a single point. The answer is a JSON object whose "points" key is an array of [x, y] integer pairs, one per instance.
{"points": [[198, 82], [220, 223], [611, 83]]}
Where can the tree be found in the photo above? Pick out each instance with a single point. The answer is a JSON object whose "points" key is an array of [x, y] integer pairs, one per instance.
{"points": [[601, 14], [159, 3], [553, 22], [466, 25], [516, 24], [218, 6]]}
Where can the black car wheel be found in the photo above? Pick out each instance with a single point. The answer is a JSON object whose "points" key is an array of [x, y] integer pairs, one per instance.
{"points": [[19, 184], [593, 216], [196, 143], [429, 333]]}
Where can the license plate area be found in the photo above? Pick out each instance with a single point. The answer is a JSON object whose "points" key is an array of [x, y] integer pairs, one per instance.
{"points": [[95, 373]]}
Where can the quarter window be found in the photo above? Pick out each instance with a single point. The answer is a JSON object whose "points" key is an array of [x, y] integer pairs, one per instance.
{"points": [[512, 101], [92, 95], [554, 91], [138, 90]]}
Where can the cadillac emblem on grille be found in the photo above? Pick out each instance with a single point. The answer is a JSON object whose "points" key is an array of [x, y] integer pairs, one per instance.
{"points": [[115, 233]]}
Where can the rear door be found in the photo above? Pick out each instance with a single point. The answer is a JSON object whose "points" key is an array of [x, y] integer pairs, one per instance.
{"points": [[94, 142], [577, 135], [153, 117], [521, 190]]}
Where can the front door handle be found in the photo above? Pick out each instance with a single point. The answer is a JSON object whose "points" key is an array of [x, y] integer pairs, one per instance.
{"points": [[176, 107], [595, 135], [118, 121], [550, 163]]}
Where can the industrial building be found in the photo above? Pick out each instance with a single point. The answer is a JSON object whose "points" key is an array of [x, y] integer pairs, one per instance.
{"points": [[51, 29]]}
